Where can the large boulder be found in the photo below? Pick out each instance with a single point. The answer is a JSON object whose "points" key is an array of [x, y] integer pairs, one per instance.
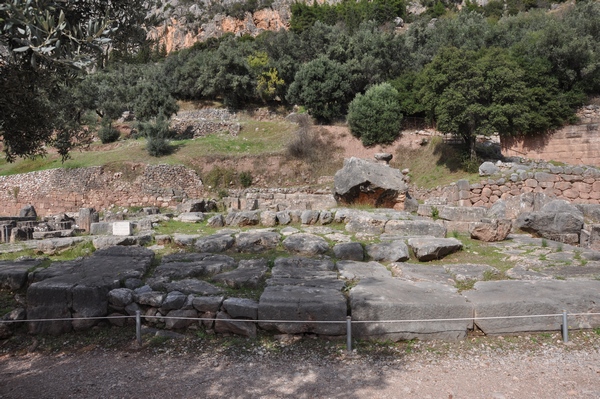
{"points": [[395, 251], [557, 220], [366, 182]]}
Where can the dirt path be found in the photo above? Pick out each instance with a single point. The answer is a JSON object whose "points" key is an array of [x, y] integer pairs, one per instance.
{"points": [[483, 368]]}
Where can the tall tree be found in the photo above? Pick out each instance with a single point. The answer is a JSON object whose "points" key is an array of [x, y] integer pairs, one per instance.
{"points": [[471, 93]]}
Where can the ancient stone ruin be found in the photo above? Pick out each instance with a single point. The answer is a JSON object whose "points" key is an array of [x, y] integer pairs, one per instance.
{"points": [[315, 265]]}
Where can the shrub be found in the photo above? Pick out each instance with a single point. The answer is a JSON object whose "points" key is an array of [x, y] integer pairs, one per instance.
{"points": [[156, 134], [219, 177], [246, 179], [108, 134], [376, 116], [306, 144]]}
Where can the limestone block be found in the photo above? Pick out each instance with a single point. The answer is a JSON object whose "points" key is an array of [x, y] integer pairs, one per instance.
{"points": [[122, 228]]}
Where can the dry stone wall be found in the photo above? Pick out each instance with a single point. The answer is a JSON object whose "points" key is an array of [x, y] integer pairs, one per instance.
{"points": [[67, 190], [576, 184]]}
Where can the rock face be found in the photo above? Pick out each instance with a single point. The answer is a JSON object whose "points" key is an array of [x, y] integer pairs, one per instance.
{"points": [[365, 182], [558, 220], [395, 251]]}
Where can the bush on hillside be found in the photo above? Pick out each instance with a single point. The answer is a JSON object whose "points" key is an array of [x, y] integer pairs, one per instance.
{"points": [[376, 116], [108, 134], [156, 134]]}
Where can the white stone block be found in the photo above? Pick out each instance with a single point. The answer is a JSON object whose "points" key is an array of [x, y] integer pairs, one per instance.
{"points": [[121, 228]]}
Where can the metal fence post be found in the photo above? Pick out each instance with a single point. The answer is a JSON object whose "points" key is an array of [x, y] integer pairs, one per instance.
{"points": [[565, 327], [138, 327], [349, 334]]}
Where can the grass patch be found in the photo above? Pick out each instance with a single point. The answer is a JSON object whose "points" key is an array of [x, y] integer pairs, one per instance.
{"points": [[81, 249], [474, 251], [436, 164], [465, 285]]}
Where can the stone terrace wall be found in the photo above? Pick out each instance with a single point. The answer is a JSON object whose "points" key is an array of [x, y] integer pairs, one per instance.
{"points": [[576, 184], [279, 199], [66, 190], [574, 144]]}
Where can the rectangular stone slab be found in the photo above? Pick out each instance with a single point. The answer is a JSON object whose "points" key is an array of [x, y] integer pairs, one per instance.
{"points": [[391, 299], [285, 302], [534, 297]]}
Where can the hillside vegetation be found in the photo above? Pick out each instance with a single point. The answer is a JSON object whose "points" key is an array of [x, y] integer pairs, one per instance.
{"points": [[468, 72]]}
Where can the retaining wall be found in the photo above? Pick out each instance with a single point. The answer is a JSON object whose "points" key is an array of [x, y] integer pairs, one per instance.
{"points": [[573, 144], [67, 190]]}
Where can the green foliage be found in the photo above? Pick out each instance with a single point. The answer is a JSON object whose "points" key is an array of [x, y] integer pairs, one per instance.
{"points": [[435, 213], [376, 117], [323, 87], [108, 134], [349, 12], [480, 93], [219, 178], [246, 179], [156, 133]]}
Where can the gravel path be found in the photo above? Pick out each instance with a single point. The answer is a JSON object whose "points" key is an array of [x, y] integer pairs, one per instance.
{"points": [[536, 366]]}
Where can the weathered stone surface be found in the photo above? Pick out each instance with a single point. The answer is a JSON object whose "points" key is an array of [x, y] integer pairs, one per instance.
{"points": [[120, 297], [225, 324], [208, 303], [462, 213], [558, 220], [490, 230], [352, 270], [395, 251], [193, 286], [309, 217], [426, 249], [241, 308], [420, 272], [415, 228], [152, 298], [349, 251], [305, 272], [190, 217], [179, 319], [488, 169], [368, 182], [240, 219], [283, 217], [103, 242], [257, 241], [13, 274], [364, 222], [196, 205], [216, 221], [51, 245], [101, 228], [84, 292], [185, 265], [214, 243], [185, 239], [325, 217], [250, 273], [173, 301], [268, 218], [28, 211], [309, 304], [468, 271], [391, 299], [542, 297], [306, 244]]}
